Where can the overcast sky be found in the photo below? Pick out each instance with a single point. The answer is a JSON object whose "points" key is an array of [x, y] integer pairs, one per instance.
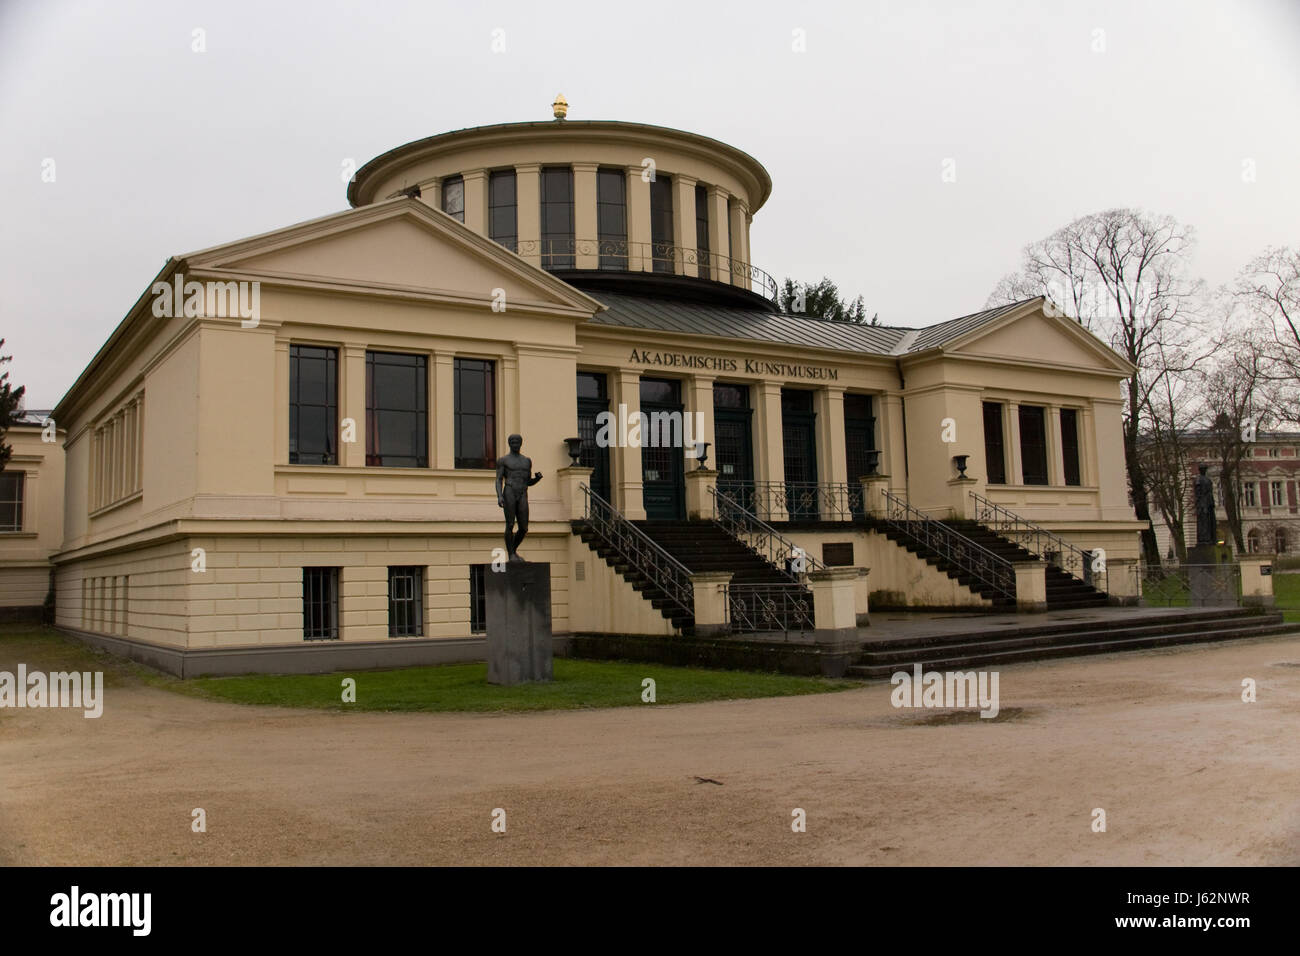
{"points": [[1047, 115]]}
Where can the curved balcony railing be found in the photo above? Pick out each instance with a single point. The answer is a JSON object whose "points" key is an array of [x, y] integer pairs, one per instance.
{"points": [[620, 255]]}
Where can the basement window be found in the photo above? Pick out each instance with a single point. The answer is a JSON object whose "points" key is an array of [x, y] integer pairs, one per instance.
{"points": [[320, 604]]}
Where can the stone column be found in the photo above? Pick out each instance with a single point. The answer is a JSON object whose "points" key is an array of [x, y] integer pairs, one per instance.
{"points": [[684, 222], [709, 588], [569, 478], [1055, 462], [639, 258], [508, 418], [719, 217], [585, 228], [769, 447], [873, 495], [1031, 586], [476, 200], [1015, 468], [889, 427], [625, 482], [835, 617], [528, 211], [832, 455], [699, 503], [281, 456], [1257, 580], [959, 497], [699, 406], [443, 406], [353, 405], [741, 253]]}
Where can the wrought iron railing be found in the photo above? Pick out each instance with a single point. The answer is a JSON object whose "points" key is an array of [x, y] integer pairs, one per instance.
{"points": [[769, 607], [633, 545], [799, 500], [1188, 585], [620, 255], [975, 559], [1087, 566], [759, 536]]}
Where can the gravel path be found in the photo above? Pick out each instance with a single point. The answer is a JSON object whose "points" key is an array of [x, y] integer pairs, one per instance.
{"points": [[1186, 772]]}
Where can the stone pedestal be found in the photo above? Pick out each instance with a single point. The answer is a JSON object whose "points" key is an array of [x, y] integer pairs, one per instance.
{"points": [[518, 611], [699, 503], [960, 502], [1209, 579], [710, 590], [1031, 586], [835, 618], [1257, 580]]}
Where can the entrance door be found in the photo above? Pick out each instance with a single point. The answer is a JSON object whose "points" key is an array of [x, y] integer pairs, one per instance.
{"points": [[663, 474], [733, 445], [799, 441], [859, 438], [592, 400]]}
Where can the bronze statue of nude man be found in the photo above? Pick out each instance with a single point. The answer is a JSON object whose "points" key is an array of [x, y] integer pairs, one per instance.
{"points": [[512, 493]]}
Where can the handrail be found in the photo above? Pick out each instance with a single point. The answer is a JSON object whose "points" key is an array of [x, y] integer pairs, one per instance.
{"points": [[756, 534], [975, 559], [769, 607], [1011, 525], [622, 255], [665, 572], [817, 500]]}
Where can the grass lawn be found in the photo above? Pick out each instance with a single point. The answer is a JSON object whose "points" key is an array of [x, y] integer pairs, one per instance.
{"points": [[1286, 592], [451, 687]]}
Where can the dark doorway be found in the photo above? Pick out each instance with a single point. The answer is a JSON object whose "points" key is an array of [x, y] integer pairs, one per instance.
{"points": [[663, 476], [859, 439], [733, 443], [799, 445], [593, 398]]}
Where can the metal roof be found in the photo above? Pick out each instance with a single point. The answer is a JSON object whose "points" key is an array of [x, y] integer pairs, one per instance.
{"points": [[755, 325], [936, 335]]}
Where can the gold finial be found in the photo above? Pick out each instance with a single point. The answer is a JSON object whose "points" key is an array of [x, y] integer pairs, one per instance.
{"points": [[560, 106]]}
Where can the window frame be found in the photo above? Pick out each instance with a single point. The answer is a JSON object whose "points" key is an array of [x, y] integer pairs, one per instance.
{"points": [[328, 631], [489, 458], [1024, 412], [412, 624], [374, 456], [444, 198], [561, 208], [509, 240], [331, 360], [16, 505], [1001, 441]]}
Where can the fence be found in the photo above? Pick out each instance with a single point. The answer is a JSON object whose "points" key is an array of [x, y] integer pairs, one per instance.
{"points": [[769, 607]]}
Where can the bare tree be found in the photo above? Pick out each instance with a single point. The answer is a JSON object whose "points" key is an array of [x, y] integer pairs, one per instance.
{"points": [[1122, 274], [1172, 407], [1268, 287], [1234, 412]]}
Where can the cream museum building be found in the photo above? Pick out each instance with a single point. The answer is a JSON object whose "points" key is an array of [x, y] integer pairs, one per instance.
{"points": [[283, 457]]}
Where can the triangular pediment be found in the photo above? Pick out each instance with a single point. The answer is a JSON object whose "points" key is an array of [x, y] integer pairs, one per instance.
{"points": [[1037, 335], [402, 245]]}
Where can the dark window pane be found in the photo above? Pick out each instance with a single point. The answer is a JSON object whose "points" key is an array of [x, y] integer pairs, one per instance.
{"points": [[453, 197], [994, 450], [1070, 445], [661, 391], [313, 404], [475, 414], [12, 486], [796, 400], [661, 223], [591, 385], [730, 396], [502, 211], [611, 217], [397, 410], [477, 598], [1033, 444], [557, 218]]}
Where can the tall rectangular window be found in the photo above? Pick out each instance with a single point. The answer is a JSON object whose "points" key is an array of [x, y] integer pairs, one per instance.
{"points": [[475, 413], [397, 410], [994, 446], [11, 500], [1249, 494], [557, 217], [320, 604], [477, 599], [405, 602], [313, 405], [611, 217], [503, 221], [702, 230], [1070, 446], [1277, 496], [453, 197], [661, 223], [1033, 444]]}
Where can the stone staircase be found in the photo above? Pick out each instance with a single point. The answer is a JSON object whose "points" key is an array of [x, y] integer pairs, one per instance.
{"points": [[987, 646], [1064, 590], [700, 546]]}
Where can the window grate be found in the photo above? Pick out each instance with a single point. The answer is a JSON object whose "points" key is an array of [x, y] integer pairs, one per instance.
{"points": [[477, 598], [320, 604], [405, 602]]}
